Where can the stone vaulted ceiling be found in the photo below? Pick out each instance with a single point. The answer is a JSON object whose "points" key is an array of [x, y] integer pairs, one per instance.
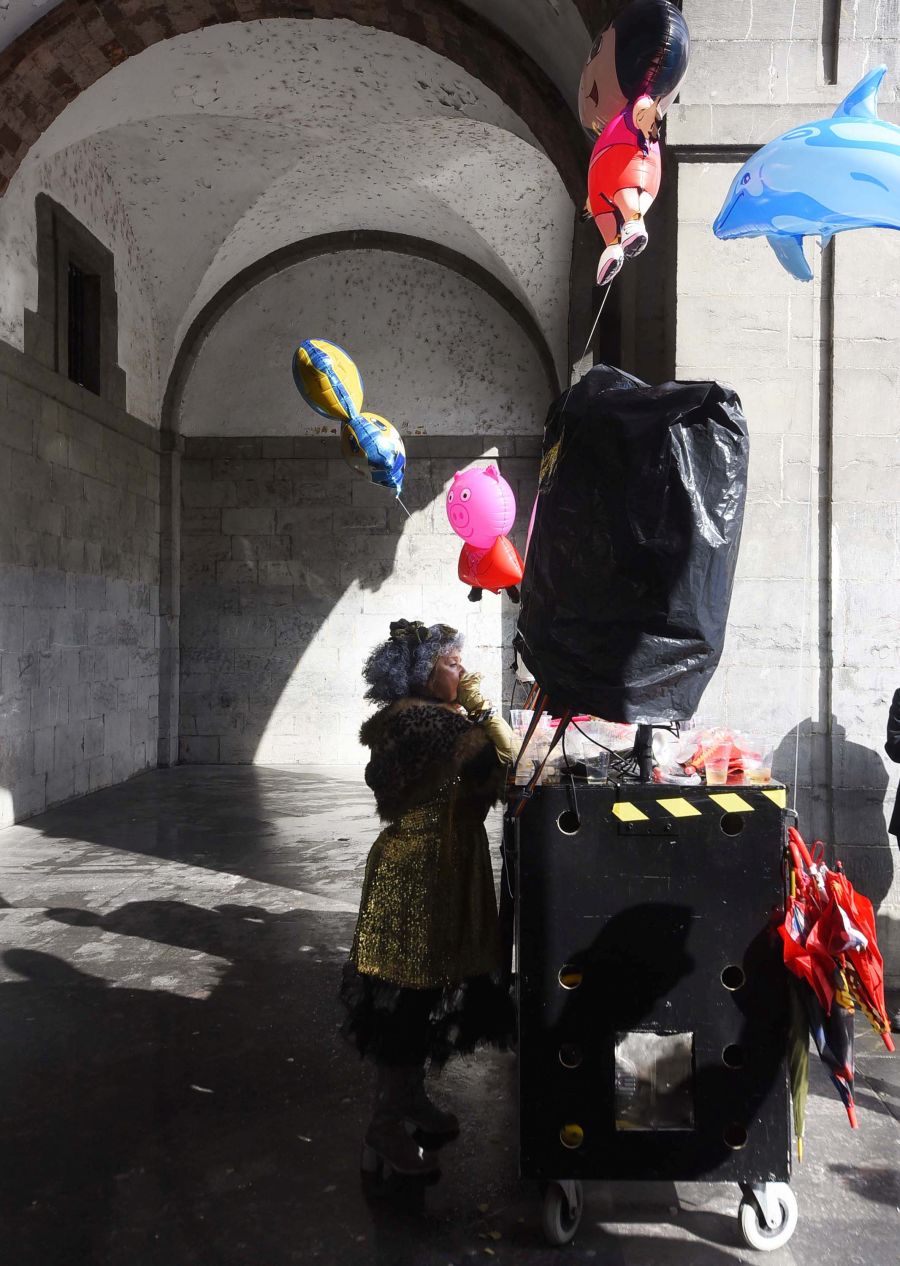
{"points": [[230, 142], [553, 32]]}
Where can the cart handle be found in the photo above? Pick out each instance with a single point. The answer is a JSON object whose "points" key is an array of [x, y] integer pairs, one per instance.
{"points": [[537, 713], [528, 790], [799, 852]]}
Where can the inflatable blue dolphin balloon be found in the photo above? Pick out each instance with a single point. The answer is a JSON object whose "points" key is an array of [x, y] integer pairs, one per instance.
{"points": [[819, 178]]}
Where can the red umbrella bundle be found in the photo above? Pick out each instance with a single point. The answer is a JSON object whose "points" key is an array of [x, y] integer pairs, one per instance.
{"points": [[864, 966], [829, 943], [832, 1032], [841, 926], [804, 955]]}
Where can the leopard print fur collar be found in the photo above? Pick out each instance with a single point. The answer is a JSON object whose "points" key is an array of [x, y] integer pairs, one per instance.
{"points": [[418, 746]]}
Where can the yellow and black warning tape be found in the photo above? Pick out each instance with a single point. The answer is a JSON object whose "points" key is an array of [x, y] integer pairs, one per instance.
{"points": [[713, 802]]}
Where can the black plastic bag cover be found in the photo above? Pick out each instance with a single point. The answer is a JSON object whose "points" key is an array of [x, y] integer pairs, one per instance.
{"points": [[630, 567]]}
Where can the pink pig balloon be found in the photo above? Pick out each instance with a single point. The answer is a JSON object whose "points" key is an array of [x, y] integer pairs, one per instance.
{"points": [[480, 506]]}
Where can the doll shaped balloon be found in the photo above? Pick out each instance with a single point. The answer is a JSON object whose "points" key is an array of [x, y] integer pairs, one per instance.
{"points": [[631, 77], [623, 180], [482, 509], [644, 51]]}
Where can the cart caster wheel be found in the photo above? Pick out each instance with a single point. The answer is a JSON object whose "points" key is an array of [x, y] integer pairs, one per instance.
{"points": [[754, 1228], [563, 1207]]}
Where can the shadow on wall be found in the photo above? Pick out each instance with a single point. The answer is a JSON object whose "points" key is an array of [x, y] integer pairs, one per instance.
{"points": [[263, 568], [273, 636], [841, 799]]}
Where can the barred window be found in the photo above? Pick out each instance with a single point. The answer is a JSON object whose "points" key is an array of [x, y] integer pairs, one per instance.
{"points": [[75, 328]]}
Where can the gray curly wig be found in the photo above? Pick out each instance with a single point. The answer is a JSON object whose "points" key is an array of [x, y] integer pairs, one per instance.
{"points": [[402, 665]]}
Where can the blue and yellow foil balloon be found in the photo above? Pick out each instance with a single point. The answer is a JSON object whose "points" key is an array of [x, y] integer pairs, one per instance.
{"points": [[330, 383], [371, 445], [327, 379]]}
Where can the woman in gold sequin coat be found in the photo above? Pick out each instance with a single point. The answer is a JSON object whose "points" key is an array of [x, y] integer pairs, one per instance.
{"points": [[421, 981]]}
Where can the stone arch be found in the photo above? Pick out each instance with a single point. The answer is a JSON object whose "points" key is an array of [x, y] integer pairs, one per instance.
{"points": [[284, 547], [330, 243], [76, 43]]}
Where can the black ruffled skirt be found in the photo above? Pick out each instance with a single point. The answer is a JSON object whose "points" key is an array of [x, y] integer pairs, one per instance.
{"points": [[394, 1025]]}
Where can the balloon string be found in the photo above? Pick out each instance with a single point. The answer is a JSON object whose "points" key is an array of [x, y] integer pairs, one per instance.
{"points": [[578, 362], [589, 341], [594, 327], [586, 349], [524, 630]]}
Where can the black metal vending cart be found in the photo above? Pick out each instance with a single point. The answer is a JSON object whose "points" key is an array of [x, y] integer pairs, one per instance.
{"points": [[652, 996]]}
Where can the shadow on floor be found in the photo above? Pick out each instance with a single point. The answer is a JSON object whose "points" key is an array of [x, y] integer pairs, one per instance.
{"points": [[157, 1129], [875, 1183], [152, 1127], [174, 1090], [268, 824]]}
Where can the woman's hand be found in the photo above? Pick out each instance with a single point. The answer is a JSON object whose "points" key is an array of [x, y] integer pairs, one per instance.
{"points": [[470, 695]]}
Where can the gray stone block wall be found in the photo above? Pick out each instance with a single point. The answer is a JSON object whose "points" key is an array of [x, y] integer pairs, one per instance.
{"points": [[811, 653], [79, 590], [292, 568]]}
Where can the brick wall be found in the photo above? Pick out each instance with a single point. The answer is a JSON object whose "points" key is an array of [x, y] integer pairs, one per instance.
{"points": [[292, 568], [79, 593]]}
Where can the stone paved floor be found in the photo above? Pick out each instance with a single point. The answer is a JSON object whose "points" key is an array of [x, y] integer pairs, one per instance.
{"points": [[173, 1089]]}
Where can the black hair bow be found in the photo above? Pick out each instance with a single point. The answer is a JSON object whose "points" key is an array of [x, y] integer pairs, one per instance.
{"points": [[408, 631], [416, 631]]}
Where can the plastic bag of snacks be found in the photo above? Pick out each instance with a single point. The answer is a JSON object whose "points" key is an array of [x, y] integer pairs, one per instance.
{"points": [[728, 757]]}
